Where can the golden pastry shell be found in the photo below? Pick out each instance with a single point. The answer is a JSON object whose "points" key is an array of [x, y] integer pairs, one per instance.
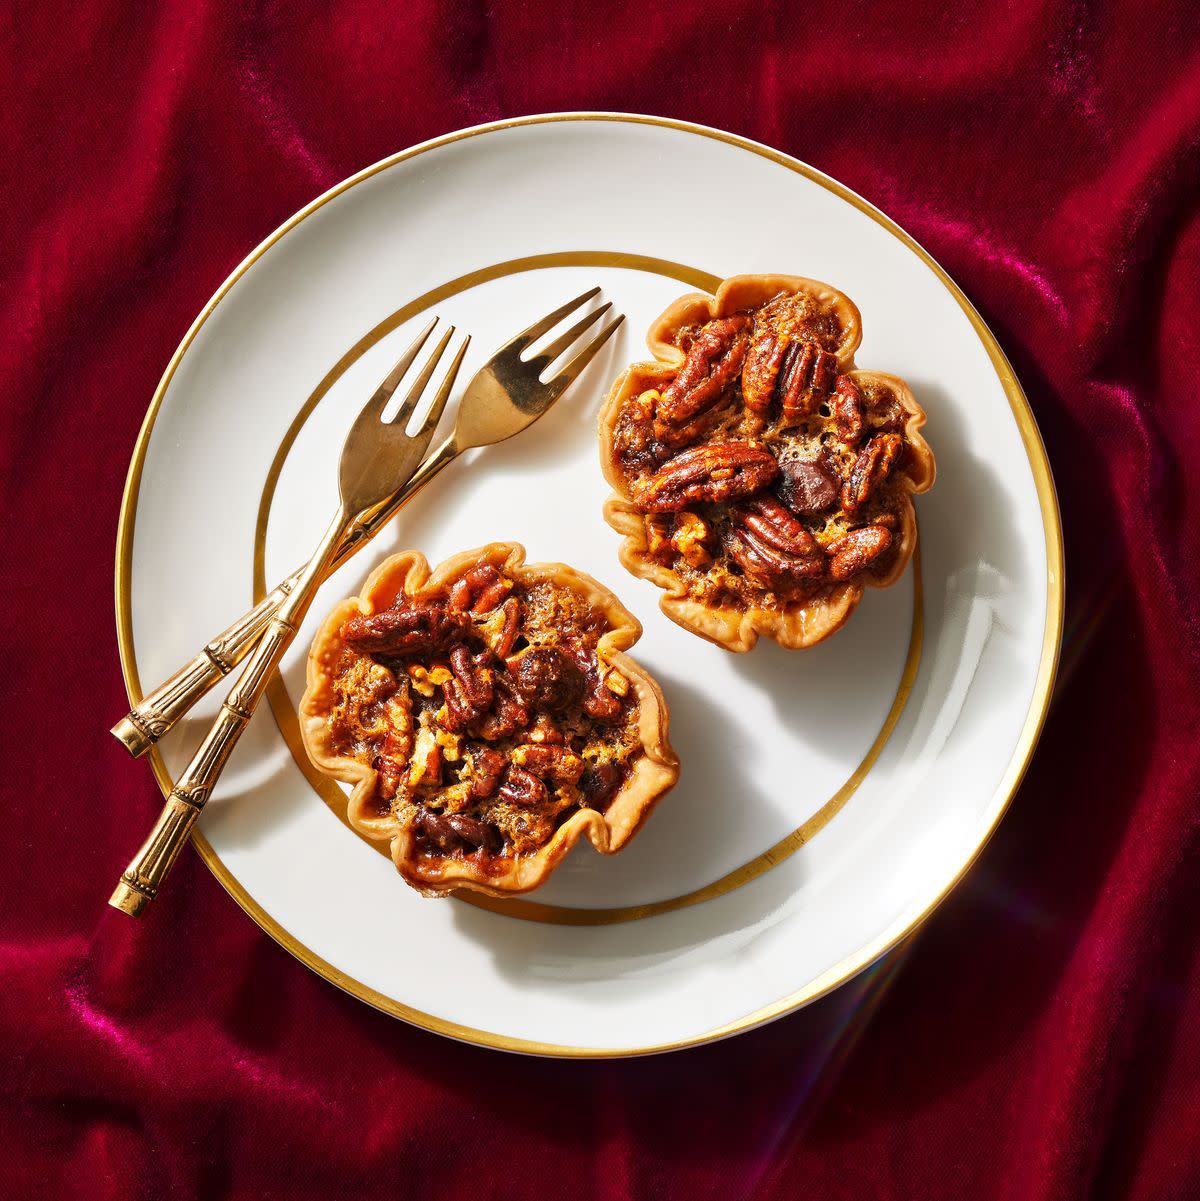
{"points": [[654, 770], [734, 627]]}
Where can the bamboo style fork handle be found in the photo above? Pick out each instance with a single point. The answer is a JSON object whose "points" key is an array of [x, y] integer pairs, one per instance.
{"points": [[159, 710], [142, 879], [155, 714]]}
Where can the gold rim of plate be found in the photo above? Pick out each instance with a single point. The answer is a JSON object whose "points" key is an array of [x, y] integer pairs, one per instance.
{"points": [[1010, 781]]}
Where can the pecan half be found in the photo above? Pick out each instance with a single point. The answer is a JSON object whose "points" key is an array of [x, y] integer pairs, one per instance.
{"points": [[857, 551], [394, 749], [712, 363], [474, 676], [410, 627], [870, 469], [511, 628], [776, 526], [487, 766], [470, 691], [450, 832], [796, 373], [547, 679], [557, 763], [715, 472], [523, 788], [806, 374], [508, 714], [480, 590], [807, 486], [459, 712], [762, 561], [848, 411], [389, 763], [761, 371]]}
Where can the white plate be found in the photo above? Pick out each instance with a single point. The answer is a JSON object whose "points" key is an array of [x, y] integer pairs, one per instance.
{"points": [[883, 758]]}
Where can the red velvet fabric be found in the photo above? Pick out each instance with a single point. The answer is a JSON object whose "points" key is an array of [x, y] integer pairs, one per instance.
{"points": [[1039, 1037]]}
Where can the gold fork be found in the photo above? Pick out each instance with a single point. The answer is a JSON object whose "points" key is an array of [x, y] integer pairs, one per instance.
{"points": [[375, 454], [505, 396]]}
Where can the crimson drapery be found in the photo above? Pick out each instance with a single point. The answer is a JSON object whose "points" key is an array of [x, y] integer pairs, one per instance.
{"points": [[1039, 1037]]}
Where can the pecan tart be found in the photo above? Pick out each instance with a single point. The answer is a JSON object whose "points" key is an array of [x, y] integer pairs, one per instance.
{"points": [[759, 478], [487, 716]]}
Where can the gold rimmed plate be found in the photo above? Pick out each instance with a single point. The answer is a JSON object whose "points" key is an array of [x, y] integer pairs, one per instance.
{"points": [[829, 798]]}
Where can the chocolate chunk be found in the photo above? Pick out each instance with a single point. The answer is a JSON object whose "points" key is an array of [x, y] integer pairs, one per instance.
{"points": [[450, 831], [598, 783], [806, 487]]}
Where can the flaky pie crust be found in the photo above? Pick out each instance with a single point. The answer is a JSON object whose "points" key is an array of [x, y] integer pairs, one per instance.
{"points": [[738, 628], [652, 774]]}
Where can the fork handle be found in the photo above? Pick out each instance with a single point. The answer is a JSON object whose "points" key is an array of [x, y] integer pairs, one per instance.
{"points": [[159, 710], [148, 721], [143, 877]]}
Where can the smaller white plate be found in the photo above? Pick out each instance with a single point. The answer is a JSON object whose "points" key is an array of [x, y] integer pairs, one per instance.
{"points": [[829, 798]]}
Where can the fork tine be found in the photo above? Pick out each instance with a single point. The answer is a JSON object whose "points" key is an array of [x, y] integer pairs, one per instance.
{"points": [[443, 393], [409, 407], [561, 345], [571, 371], [378, 402], [548, 322]]}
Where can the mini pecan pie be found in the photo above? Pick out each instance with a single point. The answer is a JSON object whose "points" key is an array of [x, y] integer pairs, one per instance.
{"points": [[487, 716], [759, 478]]}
